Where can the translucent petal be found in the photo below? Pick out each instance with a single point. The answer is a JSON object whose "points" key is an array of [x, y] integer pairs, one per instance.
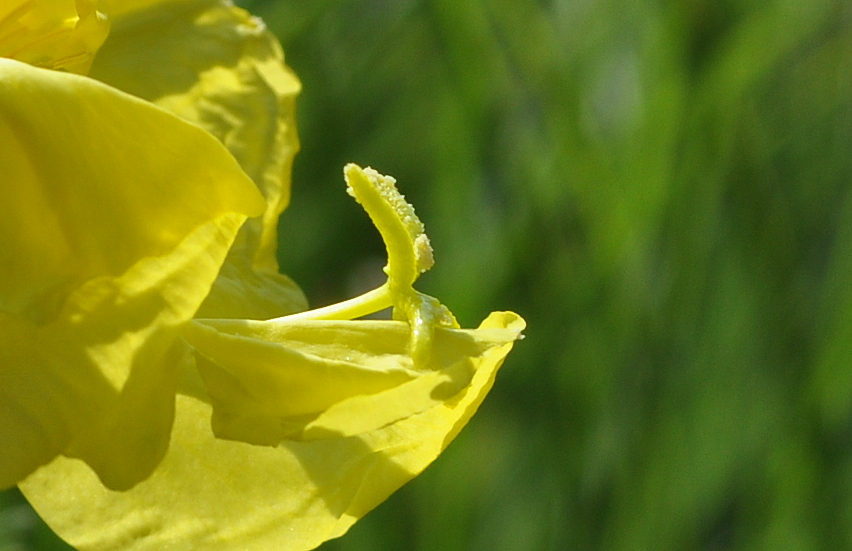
{"points": [[124, 7], [267, 380], [241, 291], [221, 495], [216, 66], [54, 34], [270, 381], [115, 217]]}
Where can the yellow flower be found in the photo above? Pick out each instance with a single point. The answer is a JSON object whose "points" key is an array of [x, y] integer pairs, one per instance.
{"points": [[161, 383]]}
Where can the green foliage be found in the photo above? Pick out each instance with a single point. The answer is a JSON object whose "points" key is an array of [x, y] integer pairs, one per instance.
{"points": [[663, 191]]}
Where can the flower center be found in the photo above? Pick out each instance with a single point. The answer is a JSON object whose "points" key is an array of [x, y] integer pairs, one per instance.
{"points": [[409, 254]]}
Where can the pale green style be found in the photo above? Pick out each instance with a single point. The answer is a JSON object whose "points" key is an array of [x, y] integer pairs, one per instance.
{"points": [[162, 385]]}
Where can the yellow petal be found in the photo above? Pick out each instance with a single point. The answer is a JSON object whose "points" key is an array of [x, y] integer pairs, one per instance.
{"points": [[119, 8], [220, 495], [115, 217], [54, 34], [216, 66], [241, 291], [266, 380], [270, 381]]}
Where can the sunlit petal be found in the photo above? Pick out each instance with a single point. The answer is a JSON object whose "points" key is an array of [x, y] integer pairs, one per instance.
{"points": [[54, 34], [98, 270], [220, 495], [216, 66]]}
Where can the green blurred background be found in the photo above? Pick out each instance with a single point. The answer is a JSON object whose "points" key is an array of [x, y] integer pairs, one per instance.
{"points": [[662, 189]]}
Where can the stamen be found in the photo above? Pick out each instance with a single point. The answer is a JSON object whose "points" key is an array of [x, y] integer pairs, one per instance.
{"points": [[409, 254], [409, 251]]}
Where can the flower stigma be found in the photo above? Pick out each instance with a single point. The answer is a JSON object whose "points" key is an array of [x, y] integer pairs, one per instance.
{"points": [[409, 254]]}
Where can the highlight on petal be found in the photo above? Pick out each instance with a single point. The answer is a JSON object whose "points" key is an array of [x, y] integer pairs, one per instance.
{"points": [[216, 66], [115, 217], [222, 495], [53, 34]]}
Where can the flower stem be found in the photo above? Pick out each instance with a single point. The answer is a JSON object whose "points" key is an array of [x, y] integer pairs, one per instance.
{"points": [[362, 305]]}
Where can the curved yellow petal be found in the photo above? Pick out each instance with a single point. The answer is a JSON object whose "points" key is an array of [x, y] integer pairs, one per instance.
{"points": [[216, 66], [221, 495], [276, 380], [54, 34], [266, 380], [126, 330], [115, 218]]}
